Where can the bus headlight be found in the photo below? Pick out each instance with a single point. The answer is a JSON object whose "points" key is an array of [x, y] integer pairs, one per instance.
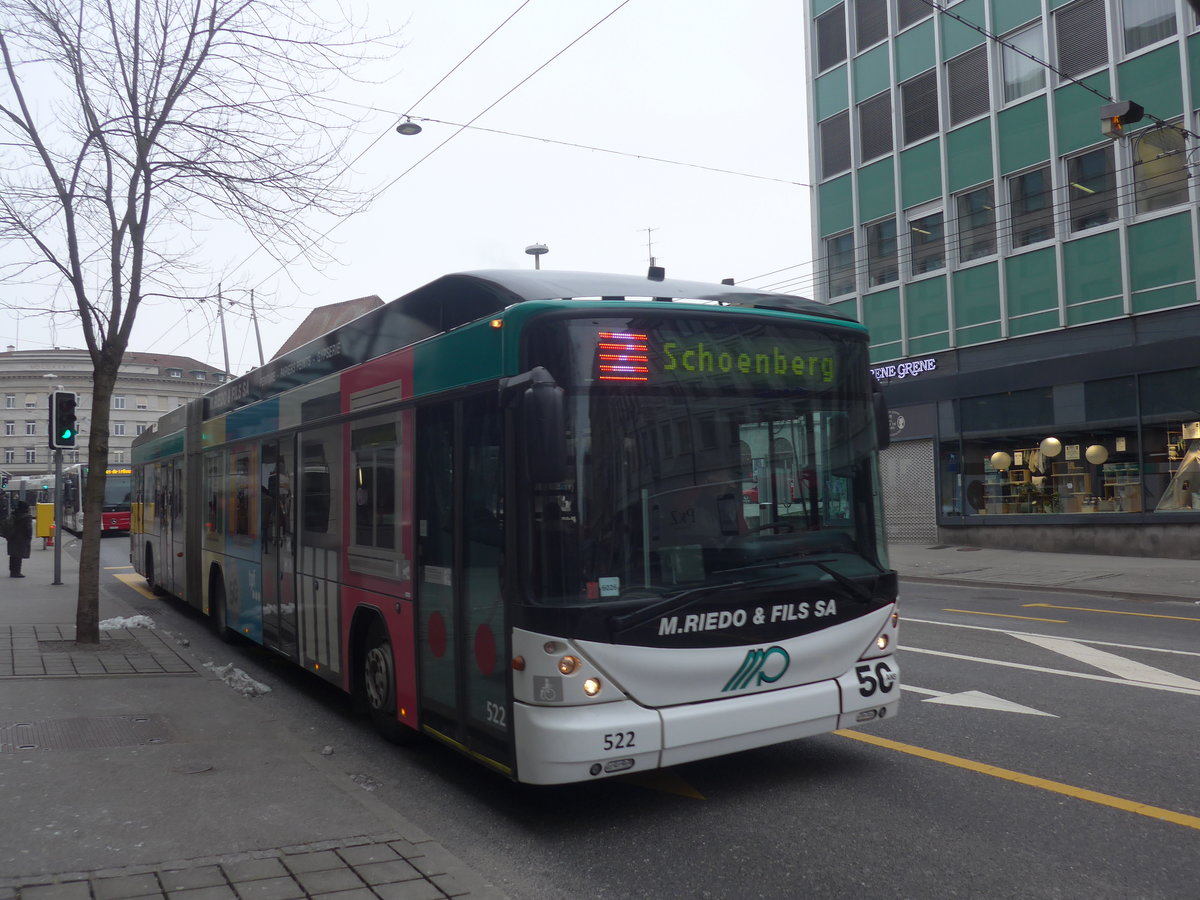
{"points": [[591, 686], [882, 642], [568, 665]]}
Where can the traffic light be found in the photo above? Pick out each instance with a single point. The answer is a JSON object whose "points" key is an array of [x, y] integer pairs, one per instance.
{"points": [[62, 420], [1115, 116]]}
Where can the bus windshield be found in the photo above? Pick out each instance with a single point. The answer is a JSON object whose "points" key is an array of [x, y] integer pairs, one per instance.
{"points": [[117, 491], [705, 452]]}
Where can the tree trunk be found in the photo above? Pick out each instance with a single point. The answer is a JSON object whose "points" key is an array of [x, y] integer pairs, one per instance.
{"points": [[87, 611]]}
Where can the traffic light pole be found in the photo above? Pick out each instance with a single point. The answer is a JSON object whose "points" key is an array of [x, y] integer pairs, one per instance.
{"points": [[58, 530]]}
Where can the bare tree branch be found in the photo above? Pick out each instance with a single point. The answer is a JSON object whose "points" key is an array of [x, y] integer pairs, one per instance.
{"points": [[126, 123]]}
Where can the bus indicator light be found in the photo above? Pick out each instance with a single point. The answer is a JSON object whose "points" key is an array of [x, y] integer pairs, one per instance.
{"points": [[623, 356]]}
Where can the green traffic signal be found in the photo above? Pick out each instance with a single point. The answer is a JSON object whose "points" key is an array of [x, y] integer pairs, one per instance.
{"points": [[62, 419]]}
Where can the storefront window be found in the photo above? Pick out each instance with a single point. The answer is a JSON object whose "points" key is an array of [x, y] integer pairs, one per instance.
{"points": [[1065, 473]]}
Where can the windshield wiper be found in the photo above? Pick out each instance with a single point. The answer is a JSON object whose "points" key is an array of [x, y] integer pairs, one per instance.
{"points": [[667, 604], [857, 591]]}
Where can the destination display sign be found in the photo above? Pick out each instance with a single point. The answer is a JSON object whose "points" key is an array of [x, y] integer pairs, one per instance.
{"points": [[770, 358]]}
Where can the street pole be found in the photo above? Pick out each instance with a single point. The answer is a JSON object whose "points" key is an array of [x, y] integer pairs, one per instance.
{"points": [[58, 529]]}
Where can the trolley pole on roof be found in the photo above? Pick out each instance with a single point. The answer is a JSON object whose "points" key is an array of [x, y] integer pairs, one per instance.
{"points": [[257, 335], [224, 340]]}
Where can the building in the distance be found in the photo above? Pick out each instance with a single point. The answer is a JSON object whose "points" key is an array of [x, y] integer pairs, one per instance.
{"points": [[1029, 282], [148, 385]]}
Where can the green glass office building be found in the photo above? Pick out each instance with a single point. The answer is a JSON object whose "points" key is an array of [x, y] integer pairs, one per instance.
{"points": [[1029, 281]]}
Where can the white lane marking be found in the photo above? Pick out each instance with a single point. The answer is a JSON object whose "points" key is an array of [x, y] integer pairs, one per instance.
{"points": [[975, 700], [1024, 633], [1128, 669], [1084, 675]]}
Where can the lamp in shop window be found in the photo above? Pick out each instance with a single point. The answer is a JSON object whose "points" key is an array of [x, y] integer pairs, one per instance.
{"points": [[1096, 454], [1050, 447], [1001, 461]]}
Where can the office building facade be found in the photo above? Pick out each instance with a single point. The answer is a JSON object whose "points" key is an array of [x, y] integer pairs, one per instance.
{"points": [[1028, 280]]}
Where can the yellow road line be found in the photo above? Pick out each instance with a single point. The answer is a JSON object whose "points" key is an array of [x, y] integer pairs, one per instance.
{"points": [[1115, 612], [973, 612], [1142, 809], [138, 583]]}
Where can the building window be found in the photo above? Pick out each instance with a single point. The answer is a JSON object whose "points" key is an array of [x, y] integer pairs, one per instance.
{"points": [[30, 455], [118, 456], [1159, 169], [118, 402], [1081, 36], [919, 106], [831, 38], [198, 375], [835, 144], [1032, 207], [175, 373], [119, 429], [30, 427], [31, 401], [218, 377], [10, 456], [909, 12], [875, 126], [976, 224], [967, 84], [1021, 74], [141, 429], [839, 264], [1147, 22], [141, 403], [882, 252], [927, 243], [10, 401], [870, 23], [1092, 187], [10, 428]]}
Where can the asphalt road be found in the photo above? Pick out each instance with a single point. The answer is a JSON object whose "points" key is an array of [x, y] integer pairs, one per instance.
{"points": [[1046, 747]]}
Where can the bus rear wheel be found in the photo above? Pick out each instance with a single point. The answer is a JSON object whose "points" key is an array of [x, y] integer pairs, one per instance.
{"points": [[378, 684], [216, 609], [151, 578]]}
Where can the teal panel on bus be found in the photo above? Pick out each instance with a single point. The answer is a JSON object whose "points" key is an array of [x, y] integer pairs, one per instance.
{"points": [[261, 418], [169, 445], [468, 355]]}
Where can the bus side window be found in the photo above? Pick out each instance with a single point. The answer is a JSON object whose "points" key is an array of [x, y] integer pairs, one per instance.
{"points": [[374, 486]]}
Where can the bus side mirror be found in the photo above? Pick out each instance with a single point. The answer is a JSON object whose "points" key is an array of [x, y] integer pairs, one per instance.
{"points": [[883, 429], [542, 423]]}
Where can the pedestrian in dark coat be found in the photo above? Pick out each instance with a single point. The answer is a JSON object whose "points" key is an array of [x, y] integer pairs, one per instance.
{"points": [[20, 543]]}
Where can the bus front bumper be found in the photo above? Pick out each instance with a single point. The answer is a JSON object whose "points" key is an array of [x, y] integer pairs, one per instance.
{"points": [[563, 744]]}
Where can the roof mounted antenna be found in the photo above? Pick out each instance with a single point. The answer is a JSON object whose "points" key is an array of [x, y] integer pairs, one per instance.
{"points": [[656, 273]]}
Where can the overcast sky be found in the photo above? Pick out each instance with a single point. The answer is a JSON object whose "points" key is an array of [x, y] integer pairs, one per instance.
{"points": [[711, 85]]}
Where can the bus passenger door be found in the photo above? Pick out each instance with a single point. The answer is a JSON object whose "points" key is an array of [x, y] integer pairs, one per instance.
{"points": [[277, 533], [462, 629]]}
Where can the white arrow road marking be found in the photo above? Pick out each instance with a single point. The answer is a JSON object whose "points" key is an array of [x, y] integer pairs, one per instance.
{"points": [[1088, 676], [975, 700], [1109, 662]]}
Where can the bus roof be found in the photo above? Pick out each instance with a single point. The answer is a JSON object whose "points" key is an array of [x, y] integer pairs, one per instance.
{"points": [[463, 297]]}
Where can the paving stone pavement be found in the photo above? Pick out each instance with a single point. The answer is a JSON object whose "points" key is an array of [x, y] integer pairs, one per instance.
{"points": [[379, 867]]}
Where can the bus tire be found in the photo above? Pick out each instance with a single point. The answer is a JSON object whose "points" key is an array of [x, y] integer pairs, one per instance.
{"points": [[216, 608], [378, 684], [151, 578]]}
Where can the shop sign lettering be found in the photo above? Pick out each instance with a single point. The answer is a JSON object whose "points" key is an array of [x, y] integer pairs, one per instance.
{"points": [[908, 369]]}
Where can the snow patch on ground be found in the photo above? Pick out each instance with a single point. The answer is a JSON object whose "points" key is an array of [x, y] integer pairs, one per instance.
{"points": [[126, 622], [238, 680]]}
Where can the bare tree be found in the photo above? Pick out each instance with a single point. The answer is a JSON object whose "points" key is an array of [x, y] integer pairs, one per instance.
{"points": [[128, 125]]}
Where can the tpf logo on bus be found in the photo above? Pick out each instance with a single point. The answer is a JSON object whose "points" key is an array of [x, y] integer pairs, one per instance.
{"points": [[755, 669]]}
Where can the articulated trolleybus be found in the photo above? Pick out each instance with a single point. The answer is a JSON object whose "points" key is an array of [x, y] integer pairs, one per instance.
{"points": [[569, 524]]}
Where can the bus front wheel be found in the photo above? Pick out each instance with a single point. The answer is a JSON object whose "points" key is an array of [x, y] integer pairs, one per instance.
{"points": [[379, 684]]}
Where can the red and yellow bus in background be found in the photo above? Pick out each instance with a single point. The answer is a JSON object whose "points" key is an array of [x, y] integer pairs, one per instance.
{"points": [[114, 514]]}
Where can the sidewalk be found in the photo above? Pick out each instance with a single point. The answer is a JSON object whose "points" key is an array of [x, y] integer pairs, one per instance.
{"points": [[132, 771], [1125, 577]]}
